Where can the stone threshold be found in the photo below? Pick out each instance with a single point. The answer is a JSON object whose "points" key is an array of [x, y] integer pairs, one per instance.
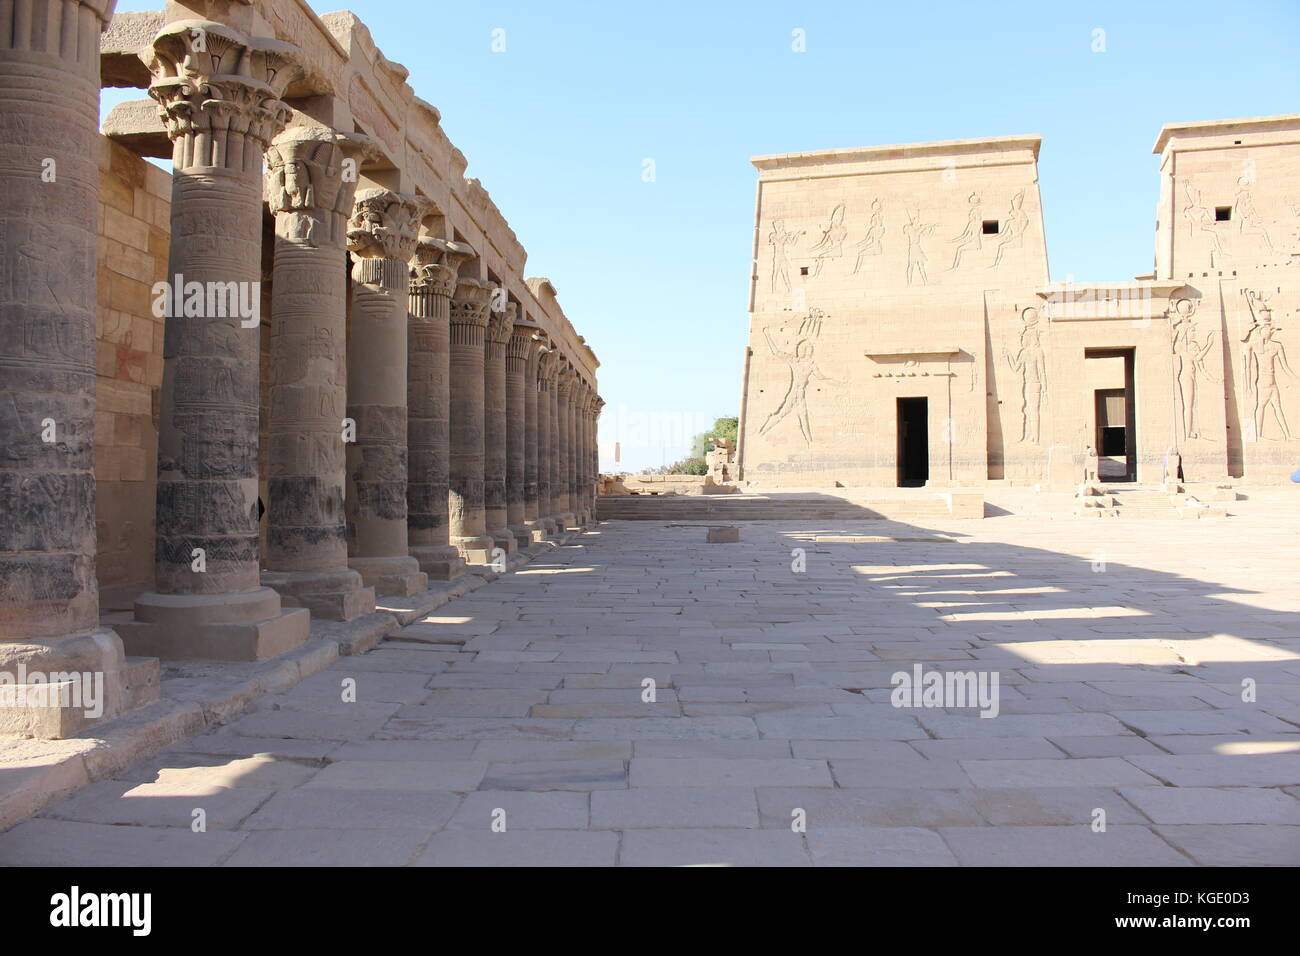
{"points": [[195, 695]]}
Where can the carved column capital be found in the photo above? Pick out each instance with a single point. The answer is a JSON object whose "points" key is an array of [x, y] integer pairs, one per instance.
{"points": [[311, 179], [500, 325], [565, 382], [219, 93], [434, 264], [382, 233], [469, 304]]}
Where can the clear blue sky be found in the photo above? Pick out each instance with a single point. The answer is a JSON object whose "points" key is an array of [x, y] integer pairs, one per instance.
{"points": [[654, 274]]}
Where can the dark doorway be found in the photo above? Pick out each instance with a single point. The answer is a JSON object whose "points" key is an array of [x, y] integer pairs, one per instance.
{"points": [[1115, 415], [913, 442]]}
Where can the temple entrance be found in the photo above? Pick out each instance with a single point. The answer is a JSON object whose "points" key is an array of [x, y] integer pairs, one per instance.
{"points": [[913, 442], [1115, 418]]}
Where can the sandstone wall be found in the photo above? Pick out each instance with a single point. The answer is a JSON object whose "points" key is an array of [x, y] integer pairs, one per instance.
{"points": [[134, 222]]}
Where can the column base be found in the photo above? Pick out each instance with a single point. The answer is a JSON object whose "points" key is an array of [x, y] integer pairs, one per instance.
{"points": [[476, 550], [91, 687], [399, 576], [536, 529], [439, 562], [523, 535], [245, 626], [505, 539], [567, 521], [330, 595]]}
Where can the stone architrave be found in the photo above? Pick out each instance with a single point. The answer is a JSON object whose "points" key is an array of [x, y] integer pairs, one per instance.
{"points": [[310, 183], [49, 599], [518, 351], [382, 236], [564, 429], [219, 97], [545, 520], [433, 280], [532, 437], [497, 337], [469, 319]]}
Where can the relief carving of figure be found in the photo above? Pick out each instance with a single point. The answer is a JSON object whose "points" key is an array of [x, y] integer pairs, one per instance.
{"points": [[1030, 363], [803, 370], [971, 237], [831, 244], [871, 244], [779, 239], [1189, 363], [914, 232], [1012, 230], [1200, 219], [1262, 358], [1248, 219]]}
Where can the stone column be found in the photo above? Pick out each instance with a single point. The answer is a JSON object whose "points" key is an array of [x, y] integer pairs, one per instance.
{"points": [[564, 428], [499, 329], [518, 349], [49, 178], [306, 544], [545, 438], [218, 94], [579, 468], [469, 319], [553, 441], [381, 237], [532, 438], [597, 404], [433, 279], [582, 417]]}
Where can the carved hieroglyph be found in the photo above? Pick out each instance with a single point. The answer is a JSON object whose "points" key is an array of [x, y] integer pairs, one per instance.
{"points": [[781, 239], [1030, 363], [872, 244], [972, 235], [519, 349], [915, 232], [545, 370], [831, 243]]}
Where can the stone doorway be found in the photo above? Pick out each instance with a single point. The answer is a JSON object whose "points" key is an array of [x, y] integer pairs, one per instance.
{"points": [[913, 442], [1115, 420]]}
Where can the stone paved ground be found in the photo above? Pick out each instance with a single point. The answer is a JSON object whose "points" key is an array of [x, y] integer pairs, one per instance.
{"points": [[1121, 647]]}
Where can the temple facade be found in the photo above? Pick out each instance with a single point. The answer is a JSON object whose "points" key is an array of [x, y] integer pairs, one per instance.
{"points": [[303, 370], [904, 330]]}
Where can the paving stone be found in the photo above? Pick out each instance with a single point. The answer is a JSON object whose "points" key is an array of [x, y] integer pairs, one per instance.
{"points": [[216, 770], [308, 808], [556, 775], [1082, 772], [455, 775], [1255, 770], [1060, 846], [544, 848], [939, 774], [1052, 806], [914, 807], [169, 804], [507, 750], [680, 728], [673, 807], [1236, 845], [553, 810], [1105, 746], [878, 846], [839, 728], [1206, 805], [343, 846], [408, 750], [42, 842], [739, 772], [719, 847]]}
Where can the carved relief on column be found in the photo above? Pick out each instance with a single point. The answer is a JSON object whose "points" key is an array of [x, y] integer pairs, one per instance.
{"points": [[582, 416], [433, 281], [500, 326], [564, 427], [469, 319], [49, 600], [546, 359], [382, 237], [219, 97], [310, 183], [531, 435], [519, 349]]}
